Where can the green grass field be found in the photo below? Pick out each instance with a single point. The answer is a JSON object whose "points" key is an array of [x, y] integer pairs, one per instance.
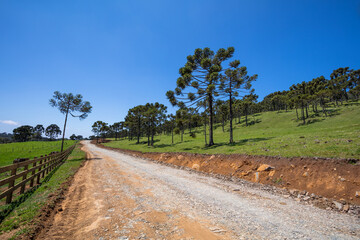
{"points": [[11, 151], [31, 207], [274, 134]]}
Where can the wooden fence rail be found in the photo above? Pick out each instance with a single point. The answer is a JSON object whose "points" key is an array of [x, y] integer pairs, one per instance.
{"points": [[37, 168]]}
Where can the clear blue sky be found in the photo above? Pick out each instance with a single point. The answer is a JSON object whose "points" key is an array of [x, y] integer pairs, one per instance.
{"points": [[119, 54]]}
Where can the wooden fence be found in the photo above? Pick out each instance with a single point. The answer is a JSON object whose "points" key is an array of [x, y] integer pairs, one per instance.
{"points": [[37, 168]]}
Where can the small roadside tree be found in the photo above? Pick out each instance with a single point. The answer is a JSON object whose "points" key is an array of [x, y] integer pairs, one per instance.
{"points": [[70, 103], [116, 128], [134, 120], [100, 128], [154, 115], [52, 131], [73, 137]]}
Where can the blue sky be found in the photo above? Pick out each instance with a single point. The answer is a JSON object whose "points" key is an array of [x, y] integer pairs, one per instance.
{"points": [[119, 54]]}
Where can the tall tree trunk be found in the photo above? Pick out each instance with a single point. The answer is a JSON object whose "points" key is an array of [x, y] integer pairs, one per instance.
{"points": [[148, 137], [246, 118], [306, 108], [205, 129], [324, 110], [346, 96], [297, 114], [63, 136], [231, 119], [152, 137], [138, 131], [223, 124], [182, 135], [211, 136], [172, 136], [303, 113]]}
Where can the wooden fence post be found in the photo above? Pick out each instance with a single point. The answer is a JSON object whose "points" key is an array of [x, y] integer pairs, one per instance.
{"points": [[38, 176], [45, 164], [49, 164], [33, 173], [11, 184], [22, 190]]}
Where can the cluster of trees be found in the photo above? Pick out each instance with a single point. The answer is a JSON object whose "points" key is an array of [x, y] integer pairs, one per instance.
{"points": [[204, 79], [76, 137], [213, 89], [29, 133], [343, 85], [26, 133], [141, 120]]}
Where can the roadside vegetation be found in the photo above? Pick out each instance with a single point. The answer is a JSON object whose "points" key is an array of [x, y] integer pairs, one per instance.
{"points": [[17, 222]]}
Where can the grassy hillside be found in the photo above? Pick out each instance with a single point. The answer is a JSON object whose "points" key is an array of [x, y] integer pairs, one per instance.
{"points": [[11, 151], [275, 134]]}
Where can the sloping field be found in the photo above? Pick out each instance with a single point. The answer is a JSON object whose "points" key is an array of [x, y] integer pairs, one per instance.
{"points": [[272, 134]]}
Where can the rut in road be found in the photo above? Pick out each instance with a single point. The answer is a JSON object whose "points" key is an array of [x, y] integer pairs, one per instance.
{"points": [[116, 196]]}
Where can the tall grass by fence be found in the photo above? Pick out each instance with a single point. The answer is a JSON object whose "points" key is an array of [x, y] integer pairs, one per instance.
{"points": [[16, 175]]}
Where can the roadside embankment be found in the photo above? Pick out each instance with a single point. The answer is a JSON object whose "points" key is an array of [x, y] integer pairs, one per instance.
{"points": [[305, 178]]}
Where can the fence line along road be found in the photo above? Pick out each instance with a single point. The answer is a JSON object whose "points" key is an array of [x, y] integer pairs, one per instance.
{"points": [[37, 168]]}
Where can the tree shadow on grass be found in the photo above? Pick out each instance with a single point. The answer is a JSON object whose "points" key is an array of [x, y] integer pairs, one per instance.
{"points": [[237, 143], [145, 142], [81, 159], [187, 149], [163, 145], [333, 112], [352, 103]]}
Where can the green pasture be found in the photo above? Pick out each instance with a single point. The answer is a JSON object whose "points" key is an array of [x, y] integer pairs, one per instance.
{"points": [[11, 151]]}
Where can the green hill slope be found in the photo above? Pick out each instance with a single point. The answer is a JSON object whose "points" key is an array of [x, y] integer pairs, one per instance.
{"points": [[274, 134]]}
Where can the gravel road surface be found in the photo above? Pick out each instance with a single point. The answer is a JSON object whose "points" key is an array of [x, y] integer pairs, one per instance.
{"points": [[117, 196]]}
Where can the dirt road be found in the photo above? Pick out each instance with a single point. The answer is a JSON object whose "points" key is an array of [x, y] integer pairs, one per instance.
{"points": [[116, 196]]}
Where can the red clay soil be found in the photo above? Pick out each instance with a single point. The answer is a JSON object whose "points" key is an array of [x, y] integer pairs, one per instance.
{"points": [[331, 178]]}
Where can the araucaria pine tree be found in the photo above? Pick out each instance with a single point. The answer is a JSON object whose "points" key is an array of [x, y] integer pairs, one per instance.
{"points": [[201, 73], [70, 103], [236, 79]]}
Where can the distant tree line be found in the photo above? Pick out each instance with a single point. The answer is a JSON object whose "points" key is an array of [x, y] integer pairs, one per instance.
{"points": [[5, 137], [316, 95], [209, 93], [28, 133]]}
